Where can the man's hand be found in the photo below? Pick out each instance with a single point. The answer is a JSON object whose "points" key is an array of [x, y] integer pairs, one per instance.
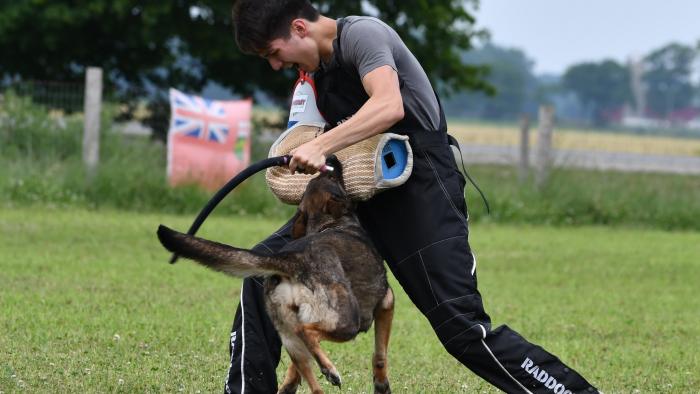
{"points": [[307, 158]]}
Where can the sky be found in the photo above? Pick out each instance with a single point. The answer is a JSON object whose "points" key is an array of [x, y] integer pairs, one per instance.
{"points": [[559, 33]]}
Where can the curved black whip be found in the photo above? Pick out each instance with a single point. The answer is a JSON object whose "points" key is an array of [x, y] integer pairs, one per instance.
{"points": [[230, 185]]}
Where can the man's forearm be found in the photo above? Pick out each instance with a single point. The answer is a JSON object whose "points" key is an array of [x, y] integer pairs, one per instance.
{"points": [[376, 116]]}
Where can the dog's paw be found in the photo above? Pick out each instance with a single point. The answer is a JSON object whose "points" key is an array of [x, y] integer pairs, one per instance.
{"points": [[332, 376], [288, 389], [382, 387]]}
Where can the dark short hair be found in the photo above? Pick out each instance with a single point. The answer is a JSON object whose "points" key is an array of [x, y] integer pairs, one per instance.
{"points": [[257, 22]]}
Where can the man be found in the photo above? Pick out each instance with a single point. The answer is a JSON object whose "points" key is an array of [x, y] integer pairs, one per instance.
{"points": [[368, 82]]}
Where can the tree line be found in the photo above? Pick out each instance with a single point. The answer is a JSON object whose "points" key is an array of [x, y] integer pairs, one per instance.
{"points": [[658, 85], [146, 47]]}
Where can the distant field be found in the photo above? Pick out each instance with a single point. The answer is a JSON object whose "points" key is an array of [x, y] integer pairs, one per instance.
{"points": [[569, 138], [476, 132], [89, 304]]}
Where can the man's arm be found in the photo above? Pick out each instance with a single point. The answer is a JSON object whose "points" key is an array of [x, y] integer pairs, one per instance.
{"points": [[383, 109]]}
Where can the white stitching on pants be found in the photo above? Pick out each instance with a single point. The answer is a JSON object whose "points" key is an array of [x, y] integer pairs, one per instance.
{"points": [[504, 369], [286, 241], [267, 247], [228, 376], [469, 344], [426, 247], [460, 333], [450, 300], [242, 341], [464, 351], [276, 233], [427, 277], [447, 195], [452, 318]]}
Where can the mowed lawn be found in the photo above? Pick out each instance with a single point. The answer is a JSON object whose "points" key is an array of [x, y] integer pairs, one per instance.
{"points": [[89, 304]]}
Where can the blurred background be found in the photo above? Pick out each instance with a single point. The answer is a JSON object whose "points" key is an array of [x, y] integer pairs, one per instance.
{"points": [[615, 88]]}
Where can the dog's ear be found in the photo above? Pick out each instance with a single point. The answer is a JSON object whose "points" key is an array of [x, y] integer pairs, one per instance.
{"points": [[337, 207], [299, 224]]}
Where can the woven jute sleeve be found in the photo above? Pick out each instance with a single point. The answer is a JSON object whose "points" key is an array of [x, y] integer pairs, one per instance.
{"points": [[358, 162]]}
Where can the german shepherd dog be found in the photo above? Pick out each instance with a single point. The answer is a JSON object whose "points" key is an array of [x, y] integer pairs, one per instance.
{"points": [[329, 283]]}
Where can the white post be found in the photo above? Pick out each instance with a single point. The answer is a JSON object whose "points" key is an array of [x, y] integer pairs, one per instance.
{"points": [[636, 70], [543, 154], [524, 148], [92, 108]]}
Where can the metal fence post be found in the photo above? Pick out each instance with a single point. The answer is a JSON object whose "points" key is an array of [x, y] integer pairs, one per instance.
{"points": [[92, 108], [543, 153]]}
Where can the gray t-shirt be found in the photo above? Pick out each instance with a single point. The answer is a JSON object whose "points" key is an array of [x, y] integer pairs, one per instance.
{"points": [[369, 43]]}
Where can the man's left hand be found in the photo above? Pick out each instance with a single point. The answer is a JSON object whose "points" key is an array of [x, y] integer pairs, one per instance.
{"points": [[307, 158]]}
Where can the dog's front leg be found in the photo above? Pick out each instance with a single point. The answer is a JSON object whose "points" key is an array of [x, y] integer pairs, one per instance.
{"points": [[383, 316], [312, 335]]}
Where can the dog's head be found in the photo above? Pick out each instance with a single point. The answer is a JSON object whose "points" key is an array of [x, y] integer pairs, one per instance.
{"points": [[323, 203]]}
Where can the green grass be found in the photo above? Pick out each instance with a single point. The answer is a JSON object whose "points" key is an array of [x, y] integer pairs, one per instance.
{"points": [[585, 197], [89, 304]]}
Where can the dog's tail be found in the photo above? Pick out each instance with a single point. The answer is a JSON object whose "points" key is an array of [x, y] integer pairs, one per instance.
{"points": [[220, 257]]}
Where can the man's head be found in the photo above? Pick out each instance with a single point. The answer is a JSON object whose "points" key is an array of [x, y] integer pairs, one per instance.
{"points": [[277, 30]]}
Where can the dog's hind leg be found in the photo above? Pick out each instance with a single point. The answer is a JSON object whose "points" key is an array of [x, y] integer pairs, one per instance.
{"points": [[303, 365], [301, 360], [291, 380], [383, 316], [312, 335]]}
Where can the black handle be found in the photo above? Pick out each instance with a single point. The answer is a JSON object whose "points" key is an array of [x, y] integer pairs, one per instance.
{"points": [[230, 185]]}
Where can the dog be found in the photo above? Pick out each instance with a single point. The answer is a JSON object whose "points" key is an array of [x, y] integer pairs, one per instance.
{"points": [[328, 283]]}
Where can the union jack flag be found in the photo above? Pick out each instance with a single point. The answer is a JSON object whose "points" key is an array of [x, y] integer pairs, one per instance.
{"points": [[208, 141], [198, 117]]}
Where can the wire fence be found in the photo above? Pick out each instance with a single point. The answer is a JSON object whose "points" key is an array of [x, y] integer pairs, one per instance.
{"points": [[136, 111], [58, 95]]}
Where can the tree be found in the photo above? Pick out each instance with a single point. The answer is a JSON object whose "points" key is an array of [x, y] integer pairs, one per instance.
{"points": [[667, 75], [510, 75], [146, 45], [601, 87]]}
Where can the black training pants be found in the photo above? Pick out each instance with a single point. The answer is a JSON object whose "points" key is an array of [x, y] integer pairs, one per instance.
{"points": [[420, 228]]}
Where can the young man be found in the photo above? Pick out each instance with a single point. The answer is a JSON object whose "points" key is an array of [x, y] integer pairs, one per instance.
{"points": [[368, 82]]}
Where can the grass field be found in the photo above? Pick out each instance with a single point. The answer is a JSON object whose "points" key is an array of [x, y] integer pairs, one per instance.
{"points": [[573, 138], [89, 304]]}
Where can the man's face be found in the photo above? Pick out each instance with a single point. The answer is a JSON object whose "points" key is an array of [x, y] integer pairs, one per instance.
{"points": [[298, 50]]}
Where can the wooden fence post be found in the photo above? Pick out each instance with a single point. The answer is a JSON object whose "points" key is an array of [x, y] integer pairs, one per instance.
{"points": [[543, 153], [91, 130], [524, 148]]}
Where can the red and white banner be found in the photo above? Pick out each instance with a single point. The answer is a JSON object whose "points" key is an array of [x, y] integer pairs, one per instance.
{"points": [[208, 141]]}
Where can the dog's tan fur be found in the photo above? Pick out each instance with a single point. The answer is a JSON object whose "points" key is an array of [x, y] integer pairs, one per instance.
{"points": [[329, 283]]}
